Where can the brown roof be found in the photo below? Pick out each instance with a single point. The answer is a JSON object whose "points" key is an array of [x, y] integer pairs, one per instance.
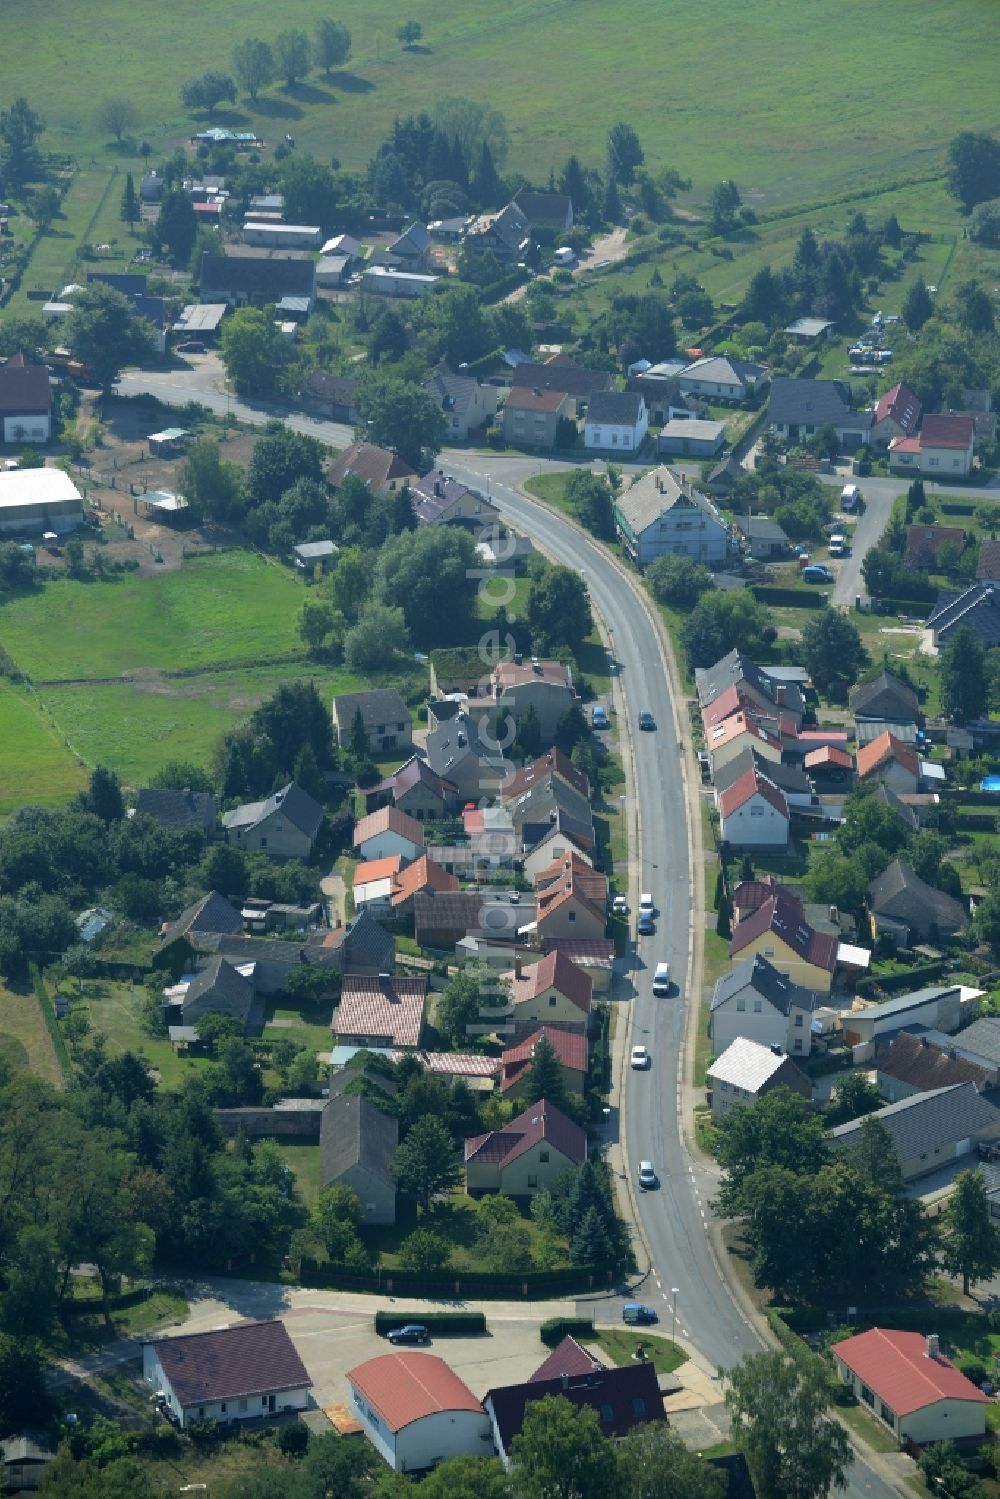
{"points": [[568, 1357], [918, 1062], [783, 916], [405, 1387], [254, 1358], [930, 538], [381, 1006], [873, 756], [570, 878], [586, 952], [543, 1122], [508, 674], [415, 772], [24, 387], [569, 1046], [422, 874], [375, 466], [528, 399], [563, 374], [828, 754], [388, 820], [553, 761], [946, 429], [554, 971]]}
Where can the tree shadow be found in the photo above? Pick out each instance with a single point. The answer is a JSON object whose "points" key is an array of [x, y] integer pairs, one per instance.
{"points": [[309, 93], [275, 108], [227, 119], [351, 83], [419, 47]]}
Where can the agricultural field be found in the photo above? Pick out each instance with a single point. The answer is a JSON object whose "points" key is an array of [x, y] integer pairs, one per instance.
{"points": [[35, 764], [821, 94]]}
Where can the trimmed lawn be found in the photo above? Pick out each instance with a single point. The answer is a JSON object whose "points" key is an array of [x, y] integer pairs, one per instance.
{"points": [[305, 1163], [551, 488], [35, 764], [55, 257], [867, 1427], [620, 1345], [115, 1012], [24, 1039]]}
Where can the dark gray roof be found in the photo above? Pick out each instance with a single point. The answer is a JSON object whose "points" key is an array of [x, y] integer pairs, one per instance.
{"points": [[451, 743], [241, 947], [761, 528], [253, 276], [543, 208], [218, 989], [213, 913], [978, 607], [614, 407], [572, 379], [252, 1358], [452, 392], [886, 697], [712, 681], [367, 945], [901, 1004], [982, 1038], [814, 403], [340, 390], [301, 810], [176, 809], [922, 1124], [551, 793], [888, 798], [354, 1132], [414, 240], [378, 705], [902, 894], [788, 778], [760, 976], [868, 729]]}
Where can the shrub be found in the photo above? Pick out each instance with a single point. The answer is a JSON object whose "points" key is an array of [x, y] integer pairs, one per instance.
{"points": [[555, 1329]]}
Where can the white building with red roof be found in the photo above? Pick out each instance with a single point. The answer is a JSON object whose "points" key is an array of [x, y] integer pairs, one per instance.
{"points": [[380, 1010], [908, 1384], [942, 449], [526, 1156], [896, 414], [374, 883], [416, 1412], [388, 831], [754, 813]]}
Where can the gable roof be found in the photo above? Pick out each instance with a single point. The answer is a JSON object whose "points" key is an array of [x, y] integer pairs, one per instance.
{"points": [[422, 874], [354, 1131], [225, 984], [623, 1397], [414, 772], [899, 891], [721, 369], [571, 878], [535, 398], [370, 870], [541, 1123], [213, 913], [568, 1357], [813, 403], [977, 606], [547, 209], [915, 1060], [253, 1358], [553, 761], [453, 392], [374, 466], [788, 778], [988, 564], [388, 820], [982, 1038], [923, 1123], [905, 813], [567, 377], [828, 754], [176, 809], [931, 538], [614, 408], [382, 1006], [377, 705], [406, 1387], [886, 747], [898, 1368], [658, 493], [783, 916], [435, 494], [736, 669], [554, 971], [747, 1064], [24, 387], [414, 240], [272, 278], [947, 429], [756, 973], [752, 784], [901, 406], [339, 390], [885, 696], [295, 804], [569, 1046]]}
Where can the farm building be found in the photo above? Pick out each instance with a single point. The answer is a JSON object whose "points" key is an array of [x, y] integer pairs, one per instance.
{"points": [[38, 499]]}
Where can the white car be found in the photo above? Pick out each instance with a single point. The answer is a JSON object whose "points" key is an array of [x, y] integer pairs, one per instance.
{"points": [[619, 906], [647, 1175], [640, 1058], [661, 979], [646, 903]]}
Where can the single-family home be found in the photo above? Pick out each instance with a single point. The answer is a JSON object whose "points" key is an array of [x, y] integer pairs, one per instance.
{"points": [[554, 993], [896, 414], [24, 1457], [737, 734], [232, 1374], [754, 813], [374, 883], [977, 607], [923, 543], [383, 471], [797, 409], [718, 377], [929, 1130], [413, 247], [690, 437], [907, 1383], [616, 422], [778, 929], [416, 790], [25, 401], [505, 233], [220, 988], [545, 685], [422, 875], [357, 1146], [755, 1001], [384, 717], [544, 210], [181, 939], [978, 1043], [380, 1010], [906, 907], [942, 449], [623, 1397], [467, 403], [746, 1071], [661, 514], [561, 373], [765, 539], [178, 810], [387, 832], [774, 693], [888, 760], [572, 899], [790, 779], [570, 1047], [457, 752], [416, 1412], [937, 1008], [333, 397], [528, 1155], [284, 825], [531, 417], [255, 281], [915, 1064], [438, 500], [595, 957], [886, 697]]}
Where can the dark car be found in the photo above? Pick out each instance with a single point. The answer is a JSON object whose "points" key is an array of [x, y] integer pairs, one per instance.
{"points": [[635, 1314], [646, 925], [413, 1332], [191, 346], [646, 720]]}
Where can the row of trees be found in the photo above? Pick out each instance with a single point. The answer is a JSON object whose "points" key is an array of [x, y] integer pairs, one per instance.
{"points": [[826, 278]]}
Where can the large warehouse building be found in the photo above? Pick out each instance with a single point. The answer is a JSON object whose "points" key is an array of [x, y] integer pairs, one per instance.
{"points": [[34, 500]]}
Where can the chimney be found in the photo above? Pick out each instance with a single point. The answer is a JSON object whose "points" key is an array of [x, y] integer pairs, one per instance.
{"points": [[777, 1051], [933, 1345], [437, 487], [517, 968], [564, 1380]]}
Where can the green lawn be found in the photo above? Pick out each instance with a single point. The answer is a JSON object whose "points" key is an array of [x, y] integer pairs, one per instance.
{"points": [[35, 764], [114, 1011], [53, 262], [304, 1162], [620, 1346], [24, 1040], [867, 1428]]}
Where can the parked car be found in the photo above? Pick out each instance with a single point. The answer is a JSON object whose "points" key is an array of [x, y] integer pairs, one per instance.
{"points": [[646, 927], [599, 717], [413, 1332], [817, 573], [190, 346], [640, 1058], [646, 720], [635, 1314], [837, 545], [619, 906], [647, 1175], [646, 902], [661, 979]]}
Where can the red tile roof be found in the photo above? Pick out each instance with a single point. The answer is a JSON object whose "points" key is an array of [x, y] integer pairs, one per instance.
{"points": [[569, 1046], [828, 755], [901, 405], [586, 952], [732, 727], [542, 1123], [750, 784], [388, 820], [423, 874], [750, 895], [896, 1366], [453, 1063], [253, 1358], [406, 1387], [553, 760], [732, 700], [783, 916], [510, 674], [930, 538], [947, 429], [383, 1007], [377, 869], [24, 387], [872, 757], [523, 398], [554, 971], [571, 878], [568, 1357]]}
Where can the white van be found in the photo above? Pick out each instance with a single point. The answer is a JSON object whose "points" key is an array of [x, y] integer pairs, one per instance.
{"points": [[837, 545], [564, 255], [849, 497]]}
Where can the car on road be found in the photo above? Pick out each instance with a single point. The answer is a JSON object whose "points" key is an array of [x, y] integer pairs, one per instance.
{"points": [[647, 1175], [640, 1058], [646, 720], [635, 1314], [190, 346], [646, 927], [413, 1332], [661, 979], [817, 573], [599, 717]]}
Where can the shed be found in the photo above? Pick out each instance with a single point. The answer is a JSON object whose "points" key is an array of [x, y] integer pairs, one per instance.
{"points": [[168, 442], [689, 437]]}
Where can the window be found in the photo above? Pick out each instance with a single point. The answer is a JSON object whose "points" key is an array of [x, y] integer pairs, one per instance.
{"points": [[243, 1405], [572, 915], [201, 1413], [532, 1181], [222, 1408], [263, 1401], [543, 1157], [769, 952], [607, 1414], [798, 1020], [263, 843], [798, 1044], [886, 1413], [380, 728], [867, 1396], [756, 811], [638, 1406], [552, 1001], [757, 1006], [741, 1005]]}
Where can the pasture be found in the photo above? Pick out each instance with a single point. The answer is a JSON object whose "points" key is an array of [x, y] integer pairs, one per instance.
{"points": [[35, 764], [796, 99]]}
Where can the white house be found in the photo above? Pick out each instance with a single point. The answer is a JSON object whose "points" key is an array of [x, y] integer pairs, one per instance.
{"points": [[662, 514], [908, 1384], [717, 376], [942, 449], [616, 421], [25, 401], [755, 1001], [388, 832], [746, 1071], [375, 884], [754, 812], [234, 1374], [416, 1411]]}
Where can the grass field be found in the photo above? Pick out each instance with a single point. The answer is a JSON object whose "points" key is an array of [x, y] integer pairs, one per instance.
{"points": [[24, 1041], [93, 193], [819, 92], [34, 761], [115, 1013]]}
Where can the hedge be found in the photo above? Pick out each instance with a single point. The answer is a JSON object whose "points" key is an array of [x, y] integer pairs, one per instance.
{"points": [[898, 606], [458, 1324], [455, 1284], [953, 507], [555, 1329], [892, 983], [791, 598]]}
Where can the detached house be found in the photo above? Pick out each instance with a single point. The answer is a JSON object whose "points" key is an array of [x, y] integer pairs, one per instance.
{"points": [[907, 1383], [234, 1374], [467, 404], [544, 210], [283, 826], [253, 281], [439, 500], [893, 763], [25, 401], [384, 715], [885, 697], [616, 422], [531, 417], [661, 514], [572, 899], [380, 469], [561, 373], [177, 809], [779, 931], [719, 377], [754, 813], [546, 686], [929, 1130], [896, 414], [924, 542], [526, 1156], [755, 1001], [357, 1145], [387, 832], [942, 448], [906, 907], [747, 1070], [977, 606], [798, 409], [380, 1011], [553, 993]]}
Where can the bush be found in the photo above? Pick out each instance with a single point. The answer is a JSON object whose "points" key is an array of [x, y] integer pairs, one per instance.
{"points": [[555, 1329], [787, 598], [455, 1324], [294, 1439]]}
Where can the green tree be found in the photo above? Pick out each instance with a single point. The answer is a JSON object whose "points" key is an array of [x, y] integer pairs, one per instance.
{"points": [[973, 168], [678, 581], [624, 153], [855, 1097], [43, 205], [409, 34], [332, 45], [309, 189], [116, 115], [105, 334], [378, 640], [23, 333], [561, 1453], [975, 310], [917, 306], [468, 1005], [292, 55], [986, 922], [253, 64], [722, 620], [425, 1164], [653, 1463], [971, 1246], [944, 1472], [590, 1244], [529, 734], [837, 880], [984, 224], [779, 1129], [212, 487], [253, 350], [424, 1252], [176, 227], [103, 796], [559, 609], [131, 210], [964, 685], [401, 415], [459, 1478], [592, 502], [208, 91], [833, 652], [430, 574], [24, 1397], [20, 129], [724, 206], [317, 620], [779, 1408], [544, 1078]]}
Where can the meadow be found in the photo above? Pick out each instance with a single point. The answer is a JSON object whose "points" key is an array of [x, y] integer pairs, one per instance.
{"points": [[795, 99], [34, 761]]}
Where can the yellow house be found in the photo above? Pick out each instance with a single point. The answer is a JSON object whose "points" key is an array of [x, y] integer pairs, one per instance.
{"points": [[527, 1156], [779, 931], [553, 992], [572, 899]]}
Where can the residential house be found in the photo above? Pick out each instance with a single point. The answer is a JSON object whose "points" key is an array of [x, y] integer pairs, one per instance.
{"points": [[797, 409], [907, 1383], [380, 1011], [624, 1397], [361, 946], [790, 780], [439, 500], [24, 1457], [778, 929], [690, 437], [528, 1155], [552, 762], [373, 885], [572, 899], [755, 1001], [906, 907], [544, 210], [151, 187], [570, 1047], [906, 813], [357, 1146], [942, 449], [746, 1071], [459, 755], [929, 1130], [181, 939], [548, 816], [978, 1043], [384, 715], [885, 697], [412, 248], [661, 514], [772, 695], [177, 810], [505, 233], [764, 538], [561, 373], [25, 401], [754, 813], [988, 561], [553, 993], [467, 403], [738, 734], [284, 825], [923, 544], [896, 414], [531, 417], [914, 1064], [220, 988], [595, 957], [724, 477], [720, 377], [937, 1008], [616, 422], [416, 1411], [255, 281], [416, 790], [546, 686], [422, 875], [381, 470], [387, 832], [563, 836], [333, 397], [893, 763], [242, 1373], [133, 288], [977, 607]]}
